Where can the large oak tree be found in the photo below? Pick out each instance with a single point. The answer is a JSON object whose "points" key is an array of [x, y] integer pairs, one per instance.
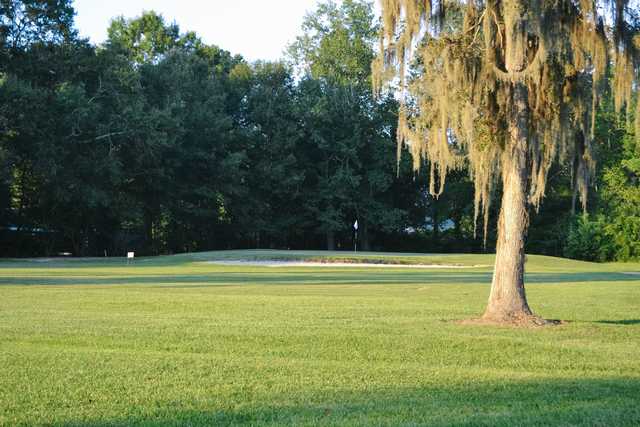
{"points": [[506, 87]]}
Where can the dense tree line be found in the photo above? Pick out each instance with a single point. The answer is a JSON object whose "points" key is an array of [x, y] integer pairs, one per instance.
{"points": [[157, 142]]}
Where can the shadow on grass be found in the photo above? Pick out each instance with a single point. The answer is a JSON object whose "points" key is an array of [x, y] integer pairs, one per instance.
{"points": [[311, 277], [241, 278], [620, 322], [552, 402]]}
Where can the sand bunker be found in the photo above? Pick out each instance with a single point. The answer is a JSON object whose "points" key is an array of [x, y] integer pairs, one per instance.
{"points": [[272, 263]]}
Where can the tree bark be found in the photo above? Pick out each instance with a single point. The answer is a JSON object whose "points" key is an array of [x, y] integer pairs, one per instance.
{"points": [[366, 238], [435, 219], [148, 232], [508, 301], [331, 241]]}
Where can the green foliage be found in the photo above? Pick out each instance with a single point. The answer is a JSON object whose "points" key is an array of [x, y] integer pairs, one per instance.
{"points": [[622, 195], [613, 234], [588, 239], [26, 22], [145, 38], [348, 145], [337, 42], [616, 228], [271, 214], [160, 143]]}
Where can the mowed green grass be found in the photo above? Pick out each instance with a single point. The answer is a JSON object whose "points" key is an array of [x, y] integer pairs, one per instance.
{"points": [[175, 341]]}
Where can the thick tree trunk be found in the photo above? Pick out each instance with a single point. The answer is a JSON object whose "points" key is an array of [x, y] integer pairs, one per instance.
{"points": [[148, 232], [331, 241], [436, 222], [508, 301], [366, 238]]}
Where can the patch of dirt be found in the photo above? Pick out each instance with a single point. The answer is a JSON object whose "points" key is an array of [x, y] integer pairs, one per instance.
{"points": [[521, 322]]}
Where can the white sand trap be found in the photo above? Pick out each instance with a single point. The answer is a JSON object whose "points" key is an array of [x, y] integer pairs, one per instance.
{"points": [[336, 264]]}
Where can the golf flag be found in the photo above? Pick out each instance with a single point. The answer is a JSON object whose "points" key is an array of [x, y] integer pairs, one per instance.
{"points": [[355, 225]]}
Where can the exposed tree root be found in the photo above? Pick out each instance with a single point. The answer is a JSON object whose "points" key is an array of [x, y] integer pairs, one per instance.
{"points": [[513, 320]]}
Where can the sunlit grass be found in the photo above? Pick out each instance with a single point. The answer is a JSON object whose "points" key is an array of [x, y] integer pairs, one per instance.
{"points": [[174, 340]]}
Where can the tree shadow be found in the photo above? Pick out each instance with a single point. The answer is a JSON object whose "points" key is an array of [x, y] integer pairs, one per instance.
{"points": [[242, 278], [304, 277], [607, 401], [620, 322]]}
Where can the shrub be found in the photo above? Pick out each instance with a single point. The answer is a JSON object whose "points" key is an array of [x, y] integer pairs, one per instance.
{"points": [[589, 240]]}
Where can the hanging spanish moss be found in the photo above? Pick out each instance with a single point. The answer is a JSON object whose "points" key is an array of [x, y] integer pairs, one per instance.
{"points": [[505, 88], [456, 107]]}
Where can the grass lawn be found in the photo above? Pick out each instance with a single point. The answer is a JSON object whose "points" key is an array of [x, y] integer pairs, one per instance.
{"points": [[177, 341]]}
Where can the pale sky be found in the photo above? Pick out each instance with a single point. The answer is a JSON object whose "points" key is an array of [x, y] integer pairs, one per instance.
{"points": [[256, 29]]}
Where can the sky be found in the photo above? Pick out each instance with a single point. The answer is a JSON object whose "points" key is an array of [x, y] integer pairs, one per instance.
{"points": [[256, 29]]}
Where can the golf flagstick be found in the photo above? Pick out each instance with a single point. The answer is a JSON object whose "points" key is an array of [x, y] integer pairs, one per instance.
{"points": [[355, 241]]}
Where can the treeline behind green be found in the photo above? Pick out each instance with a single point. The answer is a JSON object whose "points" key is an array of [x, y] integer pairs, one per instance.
{"points": [[159, 143]]}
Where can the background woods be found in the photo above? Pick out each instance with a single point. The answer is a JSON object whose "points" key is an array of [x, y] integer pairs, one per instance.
{"points": [[157, 142]]}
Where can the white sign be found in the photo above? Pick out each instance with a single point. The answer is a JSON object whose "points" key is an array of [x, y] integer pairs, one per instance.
{"points": [[130, 255], [355, 225]]}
